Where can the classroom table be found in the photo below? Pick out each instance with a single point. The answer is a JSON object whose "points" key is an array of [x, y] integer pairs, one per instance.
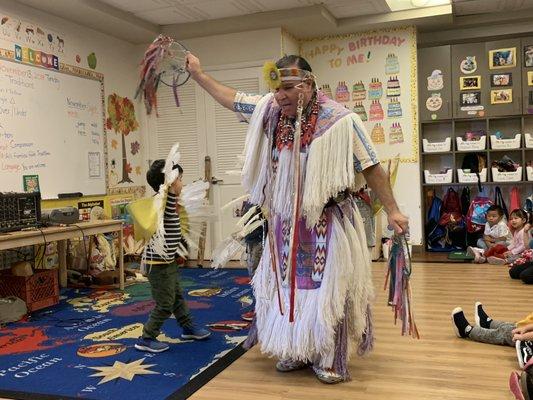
{"points": [[61, 234]]}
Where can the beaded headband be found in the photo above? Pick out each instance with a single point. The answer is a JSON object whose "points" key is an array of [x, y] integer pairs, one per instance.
{"points": [[275, 76]]}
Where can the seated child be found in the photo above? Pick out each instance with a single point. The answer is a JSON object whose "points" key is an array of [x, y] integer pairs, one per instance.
{"points": [[496, 234], [500, 254], [487, 330]]}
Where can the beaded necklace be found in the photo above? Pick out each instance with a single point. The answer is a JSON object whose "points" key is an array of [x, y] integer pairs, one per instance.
{"points": [[285, 128]]}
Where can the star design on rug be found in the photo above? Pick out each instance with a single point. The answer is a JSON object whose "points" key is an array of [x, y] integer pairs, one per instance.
{"points": [[123, 370]]}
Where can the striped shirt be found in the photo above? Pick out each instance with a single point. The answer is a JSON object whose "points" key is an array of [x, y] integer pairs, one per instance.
{"points": [[171, 221]]}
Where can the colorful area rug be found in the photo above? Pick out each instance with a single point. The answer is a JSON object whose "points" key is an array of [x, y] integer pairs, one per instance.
{"points": [[83, 347]]}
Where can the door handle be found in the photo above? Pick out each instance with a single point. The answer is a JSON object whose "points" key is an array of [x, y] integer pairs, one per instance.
{"points": [[215, 180]]}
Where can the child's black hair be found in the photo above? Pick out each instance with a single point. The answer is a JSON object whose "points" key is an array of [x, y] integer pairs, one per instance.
{"points": [[155, 176], [496, 208]]}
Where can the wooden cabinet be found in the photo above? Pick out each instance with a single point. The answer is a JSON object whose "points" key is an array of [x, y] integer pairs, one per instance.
{"points": [[527, 67], [489, 91], [469, 61], [434, 83]]}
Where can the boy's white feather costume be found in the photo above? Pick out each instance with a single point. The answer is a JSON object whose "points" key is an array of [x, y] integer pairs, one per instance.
{"points": [[147, 213]]}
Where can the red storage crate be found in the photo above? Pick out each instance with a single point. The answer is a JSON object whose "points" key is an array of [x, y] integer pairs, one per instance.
{"points": [[38, 291]]}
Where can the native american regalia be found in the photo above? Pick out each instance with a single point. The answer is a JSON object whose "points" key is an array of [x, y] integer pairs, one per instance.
{"points": [[312, 297]]}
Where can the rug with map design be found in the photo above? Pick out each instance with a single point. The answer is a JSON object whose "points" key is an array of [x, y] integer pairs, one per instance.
{"points": [[83, 347]]}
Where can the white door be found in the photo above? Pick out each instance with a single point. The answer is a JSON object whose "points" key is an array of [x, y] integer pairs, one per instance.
{"points": [[184, 124], [205, 128], [225, 142]]}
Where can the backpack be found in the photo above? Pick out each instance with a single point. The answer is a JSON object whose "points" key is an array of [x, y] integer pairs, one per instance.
{"points": [[452, 217], [515, 198], [476, 218], [465, 200], [434, 232], [475, 163], [498, 200]]}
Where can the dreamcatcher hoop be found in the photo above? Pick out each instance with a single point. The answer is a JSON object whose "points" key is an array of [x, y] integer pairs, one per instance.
{"points": [[172, 69], [165, 61]]}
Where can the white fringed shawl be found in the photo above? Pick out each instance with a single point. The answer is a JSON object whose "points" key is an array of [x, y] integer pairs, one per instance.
{"points": [[329, 168]]}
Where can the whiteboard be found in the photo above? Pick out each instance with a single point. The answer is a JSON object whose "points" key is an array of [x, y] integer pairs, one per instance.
{"points": [[51, 125]]}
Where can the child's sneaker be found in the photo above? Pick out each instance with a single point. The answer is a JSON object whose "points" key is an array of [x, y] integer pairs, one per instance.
{"points": [[193, 332], [496, 261], [460, 324], [482, 319], [524, 352], [476, 253], [150, 345]]}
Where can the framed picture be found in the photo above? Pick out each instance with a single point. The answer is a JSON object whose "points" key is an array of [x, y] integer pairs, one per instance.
{"points": [[470, 82], [501, 96], [530, 78], [469, 99], [31, 183], [502, 58], [501, 79], [528, 56]]}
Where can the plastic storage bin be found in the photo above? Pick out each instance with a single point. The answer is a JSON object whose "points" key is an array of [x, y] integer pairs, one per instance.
{"points": [[513, 143], [471, 145], [471, 177], [438, 178], [434, 147], [515, 176]]}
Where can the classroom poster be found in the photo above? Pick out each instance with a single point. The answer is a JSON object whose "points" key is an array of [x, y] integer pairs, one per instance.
{"points": [[374, 74], [85, 208]]}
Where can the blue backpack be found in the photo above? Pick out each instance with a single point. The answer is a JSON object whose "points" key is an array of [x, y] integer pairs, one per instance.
{"points": [[435, 232]]}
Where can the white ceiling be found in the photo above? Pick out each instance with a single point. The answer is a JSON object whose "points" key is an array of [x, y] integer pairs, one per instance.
{"points": [[166, 12], [139, 21]]}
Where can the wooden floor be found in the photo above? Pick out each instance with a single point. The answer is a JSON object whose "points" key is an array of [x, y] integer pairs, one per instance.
{"points": [[439, 366]]}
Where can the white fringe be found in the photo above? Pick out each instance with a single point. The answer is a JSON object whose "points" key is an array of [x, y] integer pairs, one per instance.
{"points": [[225, 251], [238, 200], [245, 218], [283, 184], [256, 153], [318, 312], [331, 152]]}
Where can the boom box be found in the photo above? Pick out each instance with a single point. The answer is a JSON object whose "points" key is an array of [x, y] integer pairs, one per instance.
{"points": [[65, 215]]}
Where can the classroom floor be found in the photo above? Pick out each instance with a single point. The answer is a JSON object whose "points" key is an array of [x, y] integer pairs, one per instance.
{"points": [[439, 366]]}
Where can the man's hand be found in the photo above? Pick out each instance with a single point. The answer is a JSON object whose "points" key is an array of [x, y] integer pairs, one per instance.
{"points": [[398, 222], [193, 65], [223, 94]]}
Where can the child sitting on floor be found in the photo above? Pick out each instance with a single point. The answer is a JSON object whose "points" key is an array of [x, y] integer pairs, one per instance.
{"points": [[496, 234], [500, 254], [487, 330]]}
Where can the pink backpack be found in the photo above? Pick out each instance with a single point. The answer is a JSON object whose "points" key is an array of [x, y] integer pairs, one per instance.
{"points": [[476, 217]]}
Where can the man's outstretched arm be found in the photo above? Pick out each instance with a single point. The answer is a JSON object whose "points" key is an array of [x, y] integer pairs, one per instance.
{"points": [[223, 94]]}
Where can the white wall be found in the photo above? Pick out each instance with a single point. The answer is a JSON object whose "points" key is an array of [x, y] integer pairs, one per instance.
{"points": [[116, 59], [233, 48]]}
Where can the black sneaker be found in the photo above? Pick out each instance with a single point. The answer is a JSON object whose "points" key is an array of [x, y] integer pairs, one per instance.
{"points": [[482, 319], [460, 324], [524, 352]]}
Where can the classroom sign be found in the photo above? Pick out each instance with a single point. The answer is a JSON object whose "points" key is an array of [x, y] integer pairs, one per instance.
{"points": [[374, 75]]}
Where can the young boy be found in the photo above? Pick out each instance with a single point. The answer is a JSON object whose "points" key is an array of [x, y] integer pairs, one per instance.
{"points": [[163, 270], [496, 233]]}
